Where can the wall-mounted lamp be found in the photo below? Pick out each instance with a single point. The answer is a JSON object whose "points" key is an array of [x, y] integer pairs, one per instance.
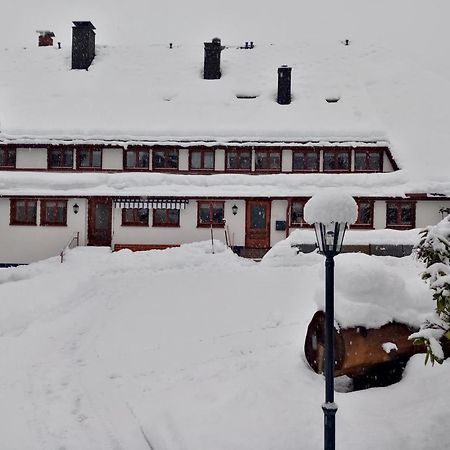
{"points": [[234, 210], [76, 208]]}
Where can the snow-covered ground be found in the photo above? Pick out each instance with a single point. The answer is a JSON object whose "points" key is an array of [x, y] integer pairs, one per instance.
{"points": [[184, 349]]}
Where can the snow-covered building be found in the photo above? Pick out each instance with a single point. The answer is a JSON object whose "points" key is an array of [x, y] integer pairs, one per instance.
{"points": [[155, 146]]}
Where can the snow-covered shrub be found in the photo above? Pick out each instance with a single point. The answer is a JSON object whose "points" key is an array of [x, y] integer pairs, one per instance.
{"points": [[434, 250]]}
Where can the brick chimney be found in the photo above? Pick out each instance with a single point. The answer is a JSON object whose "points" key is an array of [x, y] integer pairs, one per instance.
{"points": [[83, 44], [284, 85], [45, 38], [211, 70]]}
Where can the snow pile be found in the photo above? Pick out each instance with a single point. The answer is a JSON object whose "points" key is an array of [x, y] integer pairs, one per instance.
{"points": [[184, 348], [371, 291], [331, 206]]}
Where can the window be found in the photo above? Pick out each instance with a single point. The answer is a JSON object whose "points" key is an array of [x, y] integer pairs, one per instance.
{"points": [[365, 214], [400, 214], [166, 217], [60, 158], [136, 158], [136, 217], [165, 158], [305, 161], [201, 159], [368, 161], [210, 213], [7, 157], [269, 160], [336, 160], [89, 158], [297, 219], [23, 212], [237, 159], [54, 212]]}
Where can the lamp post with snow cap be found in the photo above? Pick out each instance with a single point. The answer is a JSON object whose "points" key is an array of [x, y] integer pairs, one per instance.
{"points": [[330, 212]]}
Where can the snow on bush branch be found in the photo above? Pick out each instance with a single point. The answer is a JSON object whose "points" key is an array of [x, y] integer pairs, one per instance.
{"points": [[434, 251]]}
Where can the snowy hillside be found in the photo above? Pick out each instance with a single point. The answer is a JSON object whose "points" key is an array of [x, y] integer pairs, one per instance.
{"points": [[183, 349]]}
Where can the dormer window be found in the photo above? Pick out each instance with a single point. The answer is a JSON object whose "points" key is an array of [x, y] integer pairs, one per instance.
{"points": [[268, 160], [336, 160], [201, 159], [305, 161], [7, 158], [238, 159], [60, 158], [165, 158], [368, 161], [136, 159]]}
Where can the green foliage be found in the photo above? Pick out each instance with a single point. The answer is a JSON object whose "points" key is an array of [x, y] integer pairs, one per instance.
{"points": [[434, 251]]}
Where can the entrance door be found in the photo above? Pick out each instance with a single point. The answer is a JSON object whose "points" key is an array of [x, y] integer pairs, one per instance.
{"points": [[257, 228], [99, 221]]}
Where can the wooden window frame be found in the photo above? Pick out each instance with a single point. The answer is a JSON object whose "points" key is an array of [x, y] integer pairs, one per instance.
{"points": [[359, 224], [166, 224], [43, 213], [305, 152], [62, 150], [167, 152], [202, 152], [90, 151], [136, 151], [13, 210], [368, 152], [267, 151], [238, 151], [303, 224], [335, 151], [398, 225], [211, 207], [9, 153], [135, 222]]}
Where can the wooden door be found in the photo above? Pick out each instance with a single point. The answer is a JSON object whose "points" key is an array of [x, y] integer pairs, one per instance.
{"points": [[99, 221], [257, 224]]}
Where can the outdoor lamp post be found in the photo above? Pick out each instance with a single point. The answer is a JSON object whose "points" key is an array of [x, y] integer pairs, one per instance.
{"points": [[330, 212]]}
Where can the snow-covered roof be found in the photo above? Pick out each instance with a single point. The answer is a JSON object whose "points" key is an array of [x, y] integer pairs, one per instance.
{"points": [[391, 81]]}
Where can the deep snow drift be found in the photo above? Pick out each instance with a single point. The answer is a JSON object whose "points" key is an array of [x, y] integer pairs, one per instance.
{"points": [[184, 349]]}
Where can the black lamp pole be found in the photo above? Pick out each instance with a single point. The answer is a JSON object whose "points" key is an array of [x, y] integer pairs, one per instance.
{"points": [[329, 407], [329, 238]]}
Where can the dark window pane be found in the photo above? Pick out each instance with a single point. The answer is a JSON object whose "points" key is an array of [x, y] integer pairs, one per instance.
{"points": [[375, 161], [101, 216], [261, 161], [245, 160], [131, 159], [297, 213], [364, 213], [275, 161], [84, 158], [173, 160], [298, 161], [204, 213], [406, 215], [174, 216], [96, 158], [360, 161], [328, 161], [391, 214], [217, 213], [209, 160], [232, 162], [343, 161], [142, 159], [312, 161], [196, 160], [68, 158], [258, 217]]}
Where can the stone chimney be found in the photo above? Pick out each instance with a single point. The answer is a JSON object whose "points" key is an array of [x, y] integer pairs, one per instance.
{"points": [[45, 38], [83, 45], [211, 70], [284, 85]]}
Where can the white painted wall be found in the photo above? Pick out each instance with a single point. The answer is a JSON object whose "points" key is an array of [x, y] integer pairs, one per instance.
{"points": [[427, 212], [387, 166], [183, 159], [31, 158], [286, 160], [379, 214], [219, 160], [186, 232], [112, 159], [279, 208], [20, 244]]}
